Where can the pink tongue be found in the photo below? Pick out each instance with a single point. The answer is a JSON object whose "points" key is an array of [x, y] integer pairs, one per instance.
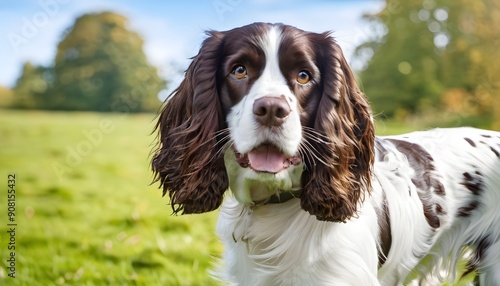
{"points": [[266, 158]]}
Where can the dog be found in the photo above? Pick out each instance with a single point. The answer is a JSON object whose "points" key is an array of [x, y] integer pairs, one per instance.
{"points": [[273, 114]]}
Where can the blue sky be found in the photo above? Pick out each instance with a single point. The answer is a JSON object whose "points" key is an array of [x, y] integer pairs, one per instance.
{"points": [[172, 30]]}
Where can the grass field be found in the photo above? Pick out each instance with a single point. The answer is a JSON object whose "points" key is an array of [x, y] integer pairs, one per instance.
{"points": [[85, 212]]}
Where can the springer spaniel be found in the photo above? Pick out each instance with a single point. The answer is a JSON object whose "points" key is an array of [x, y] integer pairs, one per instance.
{"points": [[273, 113]]}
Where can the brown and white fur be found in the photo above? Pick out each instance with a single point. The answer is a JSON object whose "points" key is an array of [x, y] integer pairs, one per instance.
{"points": [[273, 114]]}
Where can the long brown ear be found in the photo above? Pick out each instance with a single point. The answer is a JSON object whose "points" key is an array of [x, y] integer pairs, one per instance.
{"points": [[336, 179], [188, 162]]}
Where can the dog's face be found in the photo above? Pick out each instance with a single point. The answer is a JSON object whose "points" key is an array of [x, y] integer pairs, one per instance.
{"points": [[267, 109], [265, 77]]}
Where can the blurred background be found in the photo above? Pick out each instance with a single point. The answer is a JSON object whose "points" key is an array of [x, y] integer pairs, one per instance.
{"points": [[81, 82]]}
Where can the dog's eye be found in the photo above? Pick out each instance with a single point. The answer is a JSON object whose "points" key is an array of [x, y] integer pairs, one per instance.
{"points": [[303, 77], [239, 72]]}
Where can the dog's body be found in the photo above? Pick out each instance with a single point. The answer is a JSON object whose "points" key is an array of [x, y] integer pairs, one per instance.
{"points": [[432, 192], [274, 114]]}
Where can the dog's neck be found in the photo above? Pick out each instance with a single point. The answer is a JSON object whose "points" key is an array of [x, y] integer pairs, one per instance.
{"points": [[281, 197]]}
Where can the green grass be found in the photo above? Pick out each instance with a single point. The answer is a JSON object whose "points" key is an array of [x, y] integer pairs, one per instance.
{"points": [[94, 219], [86, 214]]}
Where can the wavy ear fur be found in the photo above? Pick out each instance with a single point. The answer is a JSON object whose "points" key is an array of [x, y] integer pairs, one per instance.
{"points": [[188, 162], [333, 187]]}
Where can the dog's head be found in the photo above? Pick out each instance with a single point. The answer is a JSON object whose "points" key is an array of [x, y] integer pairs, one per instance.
{"points": [[266, 109]]}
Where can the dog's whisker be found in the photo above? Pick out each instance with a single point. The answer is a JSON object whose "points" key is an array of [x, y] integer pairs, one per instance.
{"points": [[316, 136], [311, 150]]}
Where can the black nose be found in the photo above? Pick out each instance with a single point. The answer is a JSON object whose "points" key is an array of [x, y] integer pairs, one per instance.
{"points": [[271, 111]]}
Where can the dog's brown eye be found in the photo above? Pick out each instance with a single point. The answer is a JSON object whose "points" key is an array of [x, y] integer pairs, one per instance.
{"points": [[239, 72], [303, 77]]}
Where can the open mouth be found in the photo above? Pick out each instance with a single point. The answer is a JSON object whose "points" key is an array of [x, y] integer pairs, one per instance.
{"points": [[266, 158]]}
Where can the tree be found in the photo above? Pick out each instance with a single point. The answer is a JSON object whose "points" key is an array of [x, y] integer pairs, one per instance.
{"points": [[403, 72], [440, 55], [6, 97], [100, 66], [31, 87], [472, 58]]}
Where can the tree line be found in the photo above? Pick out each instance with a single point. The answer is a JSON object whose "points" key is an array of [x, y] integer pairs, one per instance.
{"points": [[424, 58], [99, 66], [435, 57]]}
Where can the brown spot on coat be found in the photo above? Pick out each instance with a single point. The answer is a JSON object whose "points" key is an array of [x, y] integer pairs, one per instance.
{"points": [[495, 151], [473, 183], [424, 179], [467, 210], [470, 142], [384, 224]]}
